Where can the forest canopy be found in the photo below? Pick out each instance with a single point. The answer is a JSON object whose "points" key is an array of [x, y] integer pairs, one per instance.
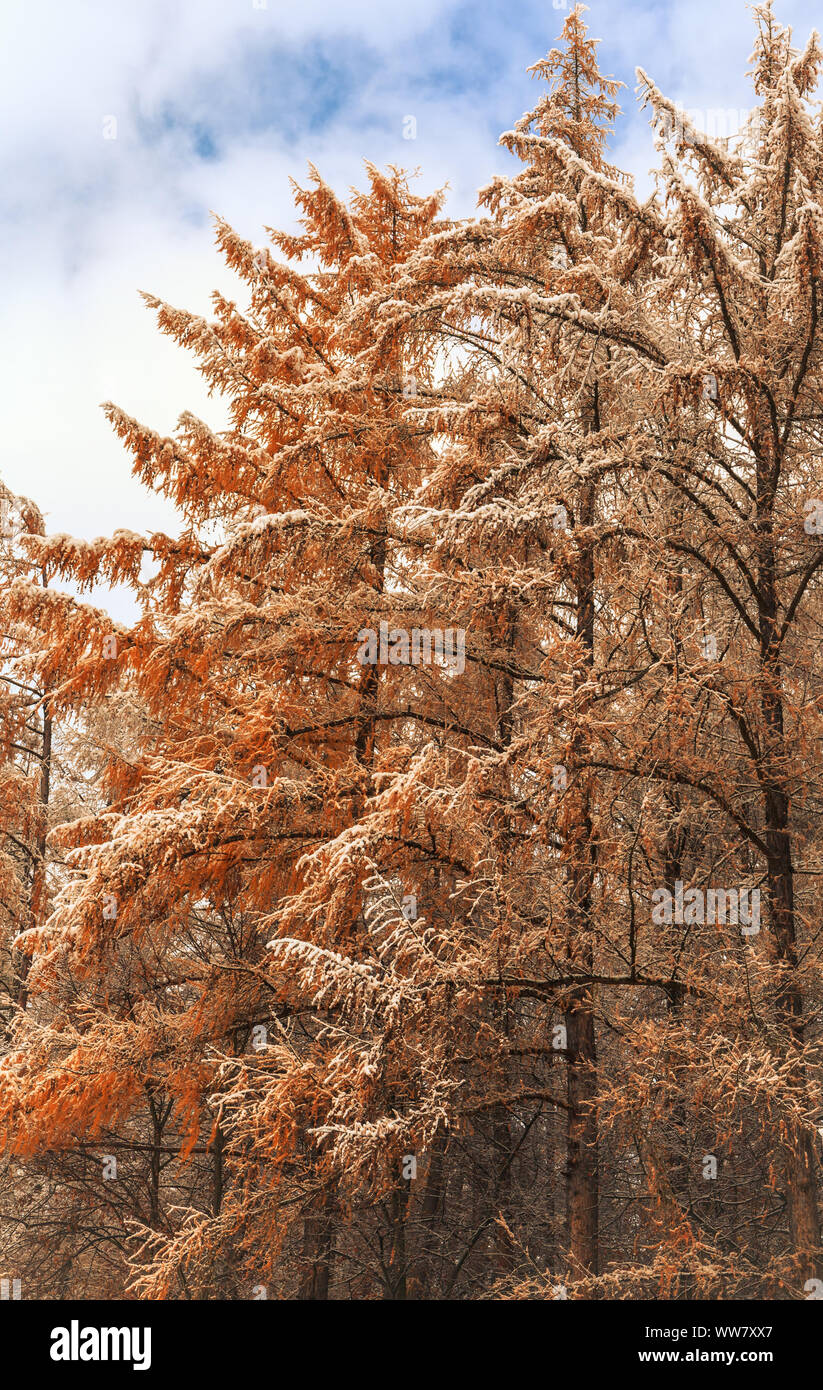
{"points": [[419, 898]]}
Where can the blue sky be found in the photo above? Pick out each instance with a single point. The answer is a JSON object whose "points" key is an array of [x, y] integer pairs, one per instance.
{"points": [[216, 103]]}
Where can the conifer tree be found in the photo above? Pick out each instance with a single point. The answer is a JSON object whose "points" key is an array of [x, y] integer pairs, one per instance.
{"points": [[538, 437], [257, 732], [740, 385]]}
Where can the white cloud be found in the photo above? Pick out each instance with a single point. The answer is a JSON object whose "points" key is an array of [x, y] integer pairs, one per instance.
{"points": [[87, 221]]}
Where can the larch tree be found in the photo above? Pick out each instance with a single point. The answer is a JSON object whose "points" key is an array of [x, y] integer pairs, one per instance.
{"points": [[537, 310], [25, 757], [740, 386], [255, 743]]}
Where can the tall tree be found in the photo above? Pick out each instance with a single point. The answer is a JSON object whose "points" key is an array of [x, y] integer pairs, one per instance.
{"points": [[255, 737]]}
